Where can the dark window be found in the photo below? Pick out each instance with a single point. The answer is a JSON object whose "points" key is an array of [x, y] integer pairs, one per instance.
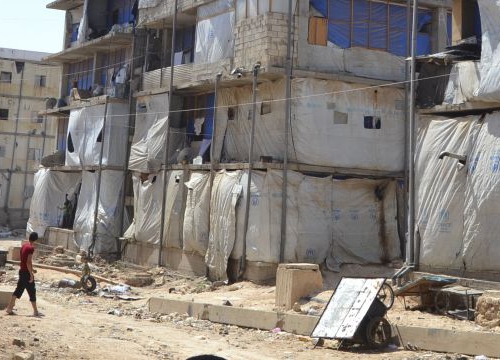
{"points": [[40, 80], [230, 113], [372, 122], [4, 114], [184, 46], [99, 137], [2, 151], [5, 77], [265, 108], [71, 148]]}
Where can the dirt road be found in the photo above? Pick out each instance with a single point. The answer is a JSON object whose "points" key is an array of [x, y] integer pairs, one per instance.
{"points": [[78, 326]]}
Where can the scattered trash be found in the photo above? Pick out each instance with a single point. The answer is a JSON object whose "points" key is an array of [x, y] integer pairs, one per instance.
{"points": [[18, 342], [276, 330], [115, 312], [69, 283], [227, 303], [117, 289], [481, 357]]}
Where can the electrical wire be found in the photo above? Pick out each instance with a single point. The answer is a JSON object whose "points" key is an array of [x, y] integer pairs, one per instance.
{"points": [[366, 88]]}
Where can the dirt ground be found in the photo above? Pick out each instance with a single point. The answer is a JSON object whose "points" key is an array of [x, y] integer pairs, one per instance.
{"points": [[76, 325]]}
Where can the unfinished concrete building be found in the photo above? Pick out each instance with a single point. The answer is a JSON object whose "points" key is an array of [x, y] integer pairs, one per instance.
{"points": [[457, 162], [87, 170], [26, 82], [256, 140]]}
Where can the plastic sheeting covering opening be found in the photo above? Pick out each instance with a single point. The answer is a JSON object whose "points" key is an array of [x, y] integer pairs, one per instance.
{"points": [[226, 191], [315, 137], [84, 127], [489, 87], [48, 198], [458, 205], [108, 215], [214, 38]]}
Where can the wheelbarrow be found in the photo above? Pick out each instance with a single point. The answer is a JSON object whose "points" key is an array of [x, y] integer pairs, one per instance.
{"points": [[355, 314]]}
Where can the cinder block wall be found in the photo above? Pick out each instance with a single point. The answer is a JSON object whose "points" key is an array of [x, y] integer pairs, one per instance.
{"points": [[262, 38]]}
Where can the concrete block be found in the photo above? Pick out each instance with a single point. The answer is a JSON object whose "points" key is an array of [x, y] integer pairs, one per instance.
{"points": [[14, 253], [294, 281], [5, 295], [250, 318]]}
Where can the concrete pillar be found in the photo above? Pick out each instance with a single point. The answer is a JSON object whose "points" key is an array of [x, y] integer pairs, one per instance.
{"points": [[440, 31]]}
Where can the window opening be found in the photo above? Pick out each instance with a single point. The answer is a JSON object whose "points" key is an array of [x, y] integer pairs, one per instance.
{"points": [[40, 80], [265, 108], [4, 114], [99, 137], [372, 122], [71, 148], [5, 77]]}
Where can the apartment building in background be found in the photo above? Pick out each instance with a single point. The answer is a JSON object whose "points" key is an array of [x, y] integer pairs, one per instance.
{"points": [[26, 82]]}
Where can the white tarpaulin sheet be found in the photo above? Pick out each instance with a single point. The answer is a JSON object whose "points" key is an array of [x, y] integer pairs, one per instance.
{"points": [[463, 82], [263, 235], [489, 88], [214, 38], [84, 138], [108, 215], [331, 130], [147, 151], [174, 209], [48, 198], [337, 129], [148, 196], [226, 191], [197, 213], [269, 127], [215, 8], [84, 24], [147, 208], [441, 189], [364, 222], [481, 248], [355, 218]]}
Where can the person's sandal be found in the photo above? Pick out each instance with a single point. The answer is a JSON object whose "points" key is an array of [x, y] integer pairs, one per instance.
{"points": [[38, 314], [10, 313]]}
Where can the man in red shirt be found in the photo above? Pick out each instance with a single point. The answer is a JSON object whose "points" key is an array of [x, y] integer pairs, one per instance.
{"points": [[26, 277]]}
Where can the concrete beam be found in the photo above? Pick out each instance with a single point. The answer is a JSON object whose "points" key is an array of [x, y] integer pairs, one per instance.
{"points": [[249, 318], [441, 340]]}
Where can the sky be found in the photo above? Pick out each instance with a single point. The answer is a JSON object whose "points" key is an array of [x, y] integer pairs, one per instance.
{"points": [[28, 25]]}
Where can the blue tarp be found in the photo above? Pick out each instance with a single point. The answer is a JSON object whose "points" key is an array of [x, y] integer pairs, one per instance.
{"points": [[372, 25]]}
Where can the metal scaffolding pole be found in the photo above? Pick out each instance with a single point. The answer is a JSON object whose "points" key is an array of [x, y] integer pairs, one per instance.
{"points": [[99, 178], [255, 72], [411, 152], [167, 142], [288, 105]]}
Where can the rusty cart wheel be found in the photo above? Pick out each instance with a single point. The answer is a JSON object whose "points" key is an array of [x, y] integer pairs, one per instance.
{"points": [[386, 295], [88, 283], [378, 332]]}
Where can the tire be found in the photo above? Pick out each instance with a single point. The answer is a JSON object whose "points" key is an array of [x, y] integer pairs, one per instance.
{"points": [[386, 295], [88, 283], [378, 332]]}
